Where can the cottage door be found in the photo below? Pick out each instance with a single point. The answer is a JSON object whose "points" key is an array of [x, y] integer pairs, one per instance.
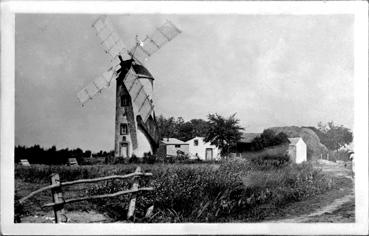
{"points": [[123, 152], [209, 154]]}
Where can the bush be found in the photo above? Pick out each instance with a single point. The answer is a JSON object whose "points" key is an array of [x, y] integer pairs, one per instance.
{"points": [[109, 160], [268, 138], [19, 209], [169, 159], [133, 159], [120, 160], [181, 156], [192, 161], [91, 161], [271, 161], [339, 155], [149, 158]]}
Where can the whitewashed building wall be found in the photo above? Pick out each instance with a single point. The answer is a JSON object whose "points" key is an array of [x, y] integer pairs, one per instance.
{"points": [[204, 151], [297, 150]]}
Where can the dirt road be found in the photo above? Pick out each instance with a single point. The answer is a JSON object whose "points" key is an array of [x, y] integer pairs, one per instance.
{"points": [[334, 206]]}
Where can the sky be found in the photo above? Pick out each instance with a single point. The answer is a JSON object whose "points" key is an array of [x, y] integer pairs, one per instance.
{"points": [[272, 70]]}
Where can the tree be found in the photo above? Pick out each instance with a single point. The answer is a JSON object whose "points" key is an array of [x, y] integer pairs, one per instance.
{"points": [[268, 139], [185, 131], [180, 129], [334, 136], [166, 126], [223, 132], [200, 127]]}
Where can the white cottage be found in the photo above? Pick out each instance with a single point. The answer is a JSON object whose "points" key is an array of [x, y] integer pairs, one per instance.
{"points": [[297, 150], [202, 150], [171, 146]]}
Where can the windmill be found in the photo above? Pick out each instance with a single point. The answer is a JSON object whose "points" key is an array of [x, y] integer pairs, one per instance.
{"points": [[136, 131]]}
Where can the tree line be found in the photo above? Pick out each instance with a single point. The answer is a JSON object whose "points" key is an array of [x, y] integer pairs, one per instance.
{"points": [[53, 156], [172, 127], [333, 136], [224, 132]]}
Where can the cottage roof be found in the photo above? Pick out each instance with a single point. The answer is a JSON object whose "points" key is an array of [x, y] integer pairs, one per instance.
{"points": [[172, 141], [294, 141], [249, 137], [197, 137]]}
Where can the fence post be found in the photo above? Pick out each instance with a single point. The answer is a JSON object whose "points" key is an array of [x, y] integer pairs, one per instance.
{"points": [[57, 197], [132, 203]]}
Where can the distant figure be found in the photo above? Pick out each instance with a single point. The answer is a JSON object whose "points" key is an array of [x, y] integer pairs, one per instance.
{"points": [[197, 156], [352, 159]]}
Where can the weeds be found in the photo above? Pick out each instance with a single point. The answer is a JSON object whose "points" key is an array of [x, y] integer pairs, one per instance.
{"points": [[238, 190]]}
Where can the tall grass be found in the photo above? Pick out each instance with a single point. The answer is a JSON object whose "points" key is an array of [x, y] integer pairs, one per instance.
{"points": [[237, 190]]}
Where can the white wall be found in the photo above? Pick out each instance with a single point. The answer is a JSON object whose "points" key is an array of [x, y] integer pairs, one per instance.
{"points": [[143, 144], [172, 149], [301, 154], [200, 149]]}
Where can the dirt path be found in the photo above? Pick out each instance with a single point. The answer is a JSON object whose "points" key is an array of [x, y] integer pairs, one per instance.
{"points": [[71, 217], [334, 206]]}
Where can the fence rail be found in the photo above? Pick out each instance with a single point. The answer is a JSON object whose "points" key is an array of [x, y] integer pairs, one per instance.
{"points": [[98, 196], [59, 202]]}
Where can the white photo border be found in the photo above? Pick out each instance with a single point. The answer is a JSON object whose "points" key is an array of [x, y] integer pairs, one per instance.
{"points": [[358, 9]]}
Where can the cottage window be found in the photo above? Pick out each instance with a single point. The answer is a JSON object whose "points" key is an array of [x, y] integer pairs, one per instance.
{"points": [[196, 142], [123, 129], [124, 101], [177, 146]]}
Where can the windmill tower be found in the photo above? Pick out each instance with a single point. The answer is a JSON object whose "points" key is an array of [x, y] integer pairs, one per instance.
{"points": [[136, 131]]}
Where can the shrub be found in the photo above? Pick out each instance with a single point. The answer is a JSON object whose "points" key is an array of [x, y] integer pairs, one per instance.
{"points": [[192, 161], [149, 158], [133, 159], [91, 161], [181, 156], [120, 160], [271, 161], [19, 209], [169, 159], [109, 159], [268, 138]]}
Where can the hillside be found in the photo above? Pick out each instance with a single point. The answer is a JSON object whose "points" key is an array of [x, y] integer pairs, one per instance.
{"points": [[314, 148]]}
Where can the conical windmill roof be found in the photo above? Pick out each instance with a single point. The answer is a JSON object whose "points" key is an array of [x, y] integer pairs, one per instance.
{"points": [[141, 70]]}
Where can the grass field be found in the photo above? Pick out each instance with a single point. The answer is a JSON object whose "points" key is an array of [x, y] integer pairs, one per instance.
{"points": [[234, 190]]}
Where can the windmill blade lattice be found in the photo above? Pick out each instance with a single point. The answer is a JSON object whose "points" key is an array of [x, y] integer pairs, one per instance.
{"points": [[96, 86], [138, 94], [110, 40], [155, 41]]}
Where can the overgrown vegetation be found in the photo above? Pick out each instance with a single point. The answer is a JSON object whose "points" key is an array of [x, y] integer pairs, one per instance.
{"points": [[333, 136], [270, 157], [53, 156], [268, 138], [237, 189]]}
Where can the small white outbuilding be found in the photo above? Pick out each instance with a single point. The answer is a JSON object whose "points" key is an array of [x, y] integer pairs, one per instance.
{"points": [[297, 150], [203, 150]]}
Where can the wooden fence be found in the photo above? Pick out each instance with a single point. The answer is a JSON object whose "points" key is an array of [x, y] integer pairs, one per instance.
{"points": [[59, 202]]}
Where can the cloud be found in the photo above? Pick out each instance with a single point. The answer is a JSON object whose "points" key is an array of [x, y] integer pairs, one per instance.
{"points": [[271, 70]]}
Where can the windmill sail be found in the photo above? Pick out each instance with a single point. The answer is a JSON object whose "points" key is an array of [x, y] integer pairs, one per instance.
{"points": [[155, 41], [110, 40], [96, 86], [138, 95]]}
